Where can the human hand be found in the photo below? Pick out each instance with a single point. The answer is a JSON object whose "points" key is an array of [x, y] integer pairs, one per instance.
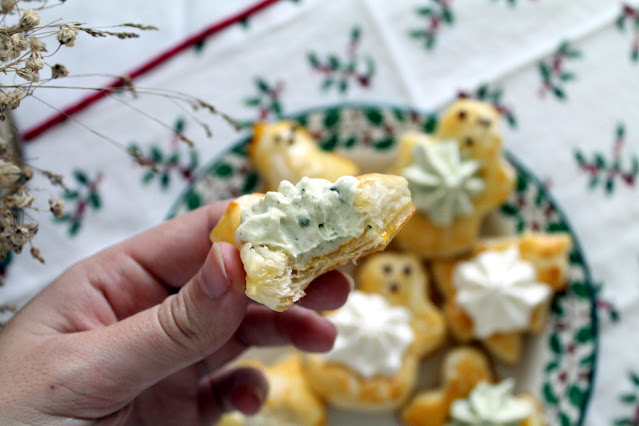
{"points": [[113, 341]]}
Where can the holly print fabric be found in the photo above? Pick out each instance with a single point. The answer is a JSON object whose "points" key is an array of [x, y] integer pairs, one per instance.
{"points": [[564, 77]]}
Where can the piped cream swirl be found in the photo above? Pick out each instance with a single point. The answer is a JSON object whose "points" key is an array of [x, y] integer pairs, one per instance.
{"points": [[372, 335], [499, 291], [442, 182], [490, 405]]}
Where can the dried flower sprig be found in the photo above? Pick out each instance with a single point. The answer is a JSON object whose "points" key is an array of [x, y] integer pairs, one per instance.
{"points": [[15, 229], [25, 60]]}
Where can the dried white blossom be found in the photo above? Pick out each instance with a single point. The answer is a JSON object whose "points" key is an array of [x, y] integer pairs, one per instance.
{"points": [[32, 228], [6, 219], [28, 74], [67, 34], [30, 18], [35, 61], [27, 173], [59, 70], [20, 199], [10, 99], [19, 237], [57, 207], [37, 45], [14, 46], [8, 5], [9, 173], [35, 253]]}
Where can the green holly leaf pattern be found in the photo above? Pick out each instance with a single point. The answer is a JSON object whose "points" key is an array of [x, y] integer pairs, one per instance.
{"points": [[555, 344], [610, 172], [437, 15], [564, 419], [223, 170], [80, 199], [331, 118], [374, 116], [342, 73], [193, 200], [581, 290], [550, 398], [330, 143], [384, 144], [553, 72], [251, 182], [576, 396], [81, 177]]}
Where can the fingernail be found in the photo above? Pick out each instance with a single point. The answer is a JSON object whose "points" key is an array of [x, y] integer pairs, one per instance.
{"points": [[215, 281], [246, 400], [220, 260]]}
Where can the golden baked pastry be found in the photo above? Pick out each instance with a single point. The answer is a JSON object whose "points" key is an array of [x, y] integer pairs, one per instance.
{"points": [[290, 400], [455, 177], [524, 270], [464, 370], [288, 238], [286, 151], [381, 339]]}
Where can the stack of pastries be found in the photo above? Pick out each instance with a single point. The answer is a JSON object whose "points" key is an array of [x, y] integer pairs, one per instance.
{"points": [[439, 287]]}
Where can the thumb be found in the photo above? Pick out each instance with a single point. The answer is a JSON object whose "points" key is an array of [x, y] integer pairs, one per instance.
{"points": [[185, 328]]}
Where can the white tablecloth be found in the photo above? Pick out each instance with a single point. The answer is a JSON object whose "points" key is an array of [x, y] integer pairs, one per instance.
{"points": [[569, 92]]}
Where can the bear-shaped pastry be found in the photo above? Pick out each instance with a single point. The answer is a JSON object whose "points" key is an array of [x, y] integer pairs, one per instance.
{"points": [[468, 397], [285, 150], [290, 400], [386, 326], [455, 178], [503, 289]]}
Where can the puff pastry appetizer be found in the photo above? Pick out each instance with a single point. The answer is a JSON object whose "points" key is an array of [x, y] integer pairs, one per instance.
{"points": [[386, 327], [288, 238], [468, 397], [455, 177], [290, 400], [286, 151], [503, 290]]}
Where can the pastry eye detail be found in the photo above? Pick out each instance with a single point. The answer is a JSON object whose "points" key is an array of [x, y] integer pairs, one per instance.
{"points": [[387, 269], [408, 270], [278, 138], [469, 141], [485, 122], [461, 115], [393, 287]]}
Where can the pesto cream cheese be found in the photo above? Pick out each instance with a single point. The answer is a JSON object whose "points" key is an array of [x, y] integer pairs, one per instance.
{"points": [[490, 405], [442, 182], [305, 220]]}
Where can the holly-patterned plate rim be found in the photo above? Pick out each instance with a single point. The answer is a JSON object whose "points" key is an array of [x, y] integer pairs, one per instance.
{"points": [[519, 166], [594, 317]]}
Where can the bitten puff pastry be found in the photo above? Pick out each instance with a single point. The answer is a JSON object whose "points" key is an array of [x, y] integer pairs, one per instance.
{"points": [[286, 151], [385, 328], [503, 290], [290, 401], [288, 238], [467, 397], [455, 178]]}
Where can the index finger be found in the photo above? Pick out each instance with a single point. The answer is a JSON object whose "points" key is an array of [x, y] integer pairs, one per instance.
{"points": [[175, 250]]}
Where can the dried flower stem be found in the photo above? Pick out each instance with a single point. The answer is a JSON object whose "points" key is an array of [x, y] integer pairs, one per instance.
{"points": [[183, 138]]}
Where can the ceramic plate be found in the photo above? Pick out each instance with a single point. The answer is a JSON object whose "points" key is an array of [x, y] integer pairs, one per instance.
{"points": [[559, 364]]}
